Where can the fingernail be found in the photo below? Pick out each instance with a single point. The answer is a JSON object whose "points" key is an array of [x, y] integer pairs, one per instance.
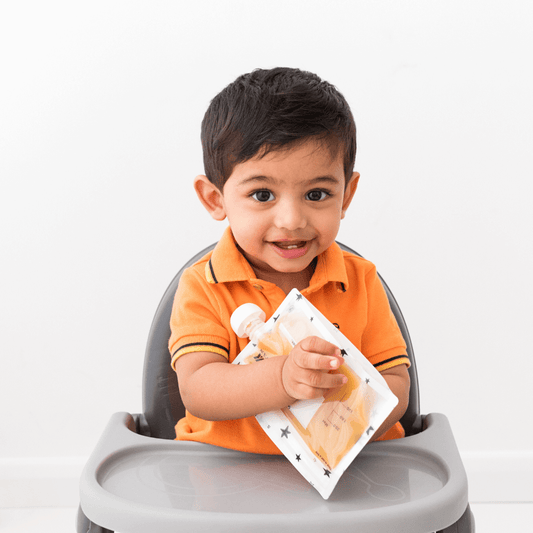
{"points": [[334, 363]]}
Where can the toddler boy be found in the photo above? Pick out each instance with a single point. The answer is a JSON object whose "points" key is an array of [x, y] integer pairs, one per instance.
{"points": [[279, 151]]}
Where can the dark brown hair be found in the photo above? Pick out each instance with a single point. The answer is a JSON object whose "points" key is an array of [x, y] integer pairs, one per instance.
{"points": [[275, 109]]}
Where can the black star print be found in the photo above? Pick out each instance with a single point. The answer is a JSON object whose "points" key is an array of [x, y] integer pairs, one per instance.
{"points": [[299, 297], [326, 472], [298, 458], [369, 430], [275, 318], [367, 381], [344, 353], [285, 432]]}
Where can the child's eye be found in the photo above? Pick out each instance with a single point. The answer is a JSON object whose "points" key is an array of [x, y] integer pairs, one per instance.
{"points": [[317, 195], [262, 196]]}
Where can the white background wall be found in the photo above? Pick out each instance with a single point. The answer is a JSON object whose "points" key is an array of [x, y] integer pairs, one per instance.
{"points": [[100, 110]]}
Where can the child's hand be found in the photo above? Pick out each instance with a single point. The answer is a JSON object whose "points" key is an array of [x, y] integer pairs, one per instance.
{"points": [[305, 374]]}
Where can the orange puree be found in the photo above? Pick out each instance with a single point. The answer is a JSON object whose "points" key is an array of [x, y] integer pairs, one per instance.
{"points": [[339, 422], [341, 419]]}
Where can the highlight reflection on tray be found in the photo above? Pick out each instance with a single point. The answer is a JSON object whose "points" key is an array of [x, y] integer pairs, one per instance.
{"points": [[233, 483]]}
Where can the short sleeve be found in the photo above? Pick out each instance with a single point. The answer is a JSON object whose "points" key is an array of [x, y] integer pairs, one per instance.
{"points": [[382, 341], [195, 322]]}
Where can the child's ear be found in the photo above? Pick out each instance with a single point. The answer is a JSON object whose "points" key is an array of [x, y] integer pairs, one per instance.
{"points": [[210, 196], [349, 191]]}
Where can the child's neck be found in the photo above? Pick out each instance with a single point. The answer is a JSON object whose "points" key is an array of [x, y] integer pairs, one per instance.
{"points": [[287, 281]]}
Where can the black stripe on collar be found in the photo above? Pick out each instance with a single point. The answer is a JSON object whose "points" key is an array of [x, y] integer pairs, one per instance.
{"points": [[212, 271]]}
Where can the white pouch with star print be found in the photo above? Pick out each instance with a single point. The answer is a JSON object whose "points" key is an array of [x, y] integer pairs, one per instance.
{"points": [[319, 437]]}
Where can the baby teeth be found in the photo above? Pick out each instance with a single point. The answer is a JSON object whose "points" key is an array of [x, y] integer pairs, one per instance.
{"points": [[289, 246]]}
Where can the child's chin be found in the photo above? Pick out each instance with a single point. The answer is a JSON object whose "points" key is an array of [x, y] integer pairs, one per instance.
{"points": [[290, 266]]}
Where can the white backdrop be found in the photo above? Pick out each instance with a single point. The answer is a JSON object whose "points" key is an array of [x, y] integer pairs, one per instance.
{"points": [[100, 110]]}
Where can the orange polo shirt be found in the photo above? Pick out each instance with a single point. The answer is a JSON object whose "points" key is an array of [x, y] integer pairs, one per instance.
{"points": [[344, 287]]}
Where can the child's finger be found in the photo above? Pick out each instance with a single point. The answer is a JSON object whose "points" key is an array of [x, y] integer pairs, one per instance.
{"points": [[315, 361], [319, 346], [324, 380], [316, 383], [310, 355]]}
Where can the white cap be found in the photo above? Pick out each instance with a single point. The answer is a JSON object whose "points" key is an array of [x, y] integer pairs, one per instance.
{"points": [[243, 316]]}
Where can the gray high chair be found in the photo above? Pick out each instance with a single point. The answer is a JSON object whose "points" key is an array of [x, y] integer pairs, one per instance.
{"points": [[138, 479]]}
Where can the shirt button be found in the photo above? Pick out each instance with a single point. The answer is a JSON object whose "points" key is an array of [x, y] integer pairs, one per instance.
{"points": [[258, 287]]}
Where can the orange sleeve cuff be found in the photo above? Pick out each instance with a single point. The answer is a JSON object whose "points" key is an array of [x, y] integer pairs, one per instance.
{"points": [[199, 347], [392, 362]]}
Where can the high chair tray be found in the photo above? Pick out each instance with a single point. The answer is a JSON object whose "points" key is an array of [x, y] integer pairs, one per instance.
{"points": [[134, 484]]}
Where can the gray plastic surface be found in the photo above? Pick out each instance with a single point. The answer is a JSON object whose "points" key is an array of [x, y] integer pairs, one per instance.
{"points": [[135, 484]]}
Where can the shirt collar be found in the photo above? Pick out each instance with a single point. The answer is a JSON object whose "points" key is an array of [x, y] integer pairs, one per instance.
{"points": [[228, 264], [330, 267]]}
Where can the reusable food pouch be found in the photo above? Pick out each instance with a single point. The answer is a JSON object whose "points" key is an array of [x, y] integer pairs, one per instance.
{"points": [[320, 437]]}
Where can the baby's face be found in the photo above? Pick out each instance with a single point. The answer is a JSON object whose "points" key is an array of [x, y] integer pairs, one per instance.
{"points": [[285, 208]]}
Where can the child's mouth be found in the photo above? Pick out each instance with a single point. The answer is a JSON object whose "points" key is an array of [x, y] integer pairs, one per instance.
{"points": [[290, 249]]}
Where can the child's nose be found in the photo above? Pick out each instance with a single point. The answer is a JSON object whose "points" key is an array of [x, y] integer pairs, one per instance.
{"points": [[290, 216]]}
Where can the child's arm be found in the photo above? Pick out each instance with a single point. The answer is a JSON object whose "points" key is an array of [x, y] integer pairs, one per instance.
{"points": [[213, 389], [398, 380]]}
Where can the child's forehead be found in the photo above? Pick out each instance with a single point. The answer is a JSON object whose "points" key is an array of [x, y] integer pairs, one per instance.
{"points": [[310, 161]]}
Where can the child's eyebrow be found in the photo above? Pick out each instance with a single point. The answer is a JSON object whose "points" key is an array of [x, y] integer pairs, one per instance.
{"points": [[269, 180]]}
